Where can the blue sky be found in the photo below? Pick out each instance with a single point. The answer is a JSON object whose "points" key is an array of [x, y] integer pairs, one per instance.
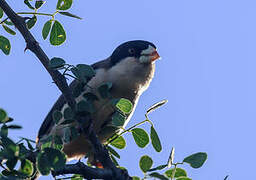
{"points": [[207, 73]]}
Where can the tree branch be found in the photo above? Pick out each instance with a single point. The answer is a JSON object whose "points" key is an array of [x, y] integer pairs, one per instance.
{"points": [[85, 171], [31, 44]]}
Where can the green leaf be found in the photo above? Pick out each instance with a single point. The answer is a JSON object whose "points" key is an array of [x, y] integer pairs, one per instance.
{"points": [[113, 152], [118, 119], [171, 158], [56, 63], [28, 4], [83, 72], [140, 136], [145, 163], [124, 105], [155, 140], [68, 113], [3, 116], [9, 30], [158, 168], [114, 160], [14, 126], [58, 143], [58, 34], [10, 163], [183, 178], [179, 172], [26, 167], [119, 142], [64, 4], [56, 116], [84, 106], [43, 164], [104, 89], [158, 176], [29, 145], [8, 23], [39, 3], [156, 105], [76, 177], [4, 130], [69, 14], [50, 159], [31, 22], [135, 178], [196, 160], [46, 29], [1, 13], [5, 45], [56, 158]]}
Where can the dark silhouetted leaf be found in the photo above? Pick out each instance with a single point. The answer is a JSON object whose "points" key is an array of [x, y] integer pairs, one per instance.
{"points": [[56, 63], [68, 113], [64, 4], [28, 4], [158, 168], [56, 116], [4, 130], [84, 106], [158, 176], [145, 163], [156, 105], [196, 160], [9, 30], [31, 22], [113, 152], [118, 119], [140, 136], [119, 143], [104, 89], [11, 163], [39, 4], [69, 14], [5, 45], [43, 164], [226, 177], [90, 97], [58, 34], [114, 160], [155, 139], [1, 13], [46, 29], [14, 126]]}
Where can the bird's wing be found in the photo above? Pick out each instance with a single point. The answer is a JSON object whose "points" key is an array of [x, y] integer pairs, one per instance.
{"points": [[48, 121]]}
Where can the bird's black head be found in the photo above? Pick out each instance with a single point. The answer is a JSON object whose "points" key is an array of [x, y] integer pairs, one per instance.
{"points": [[131, 49]]}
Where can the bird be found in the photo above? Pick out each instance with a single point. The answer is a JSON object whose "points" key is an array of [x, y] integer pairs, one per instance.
{"points": [[130, 69]]}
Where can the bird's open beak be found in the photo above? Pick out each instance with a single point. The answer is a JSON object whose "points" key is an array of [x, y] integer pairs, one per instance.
{"points": [[154, 56]]}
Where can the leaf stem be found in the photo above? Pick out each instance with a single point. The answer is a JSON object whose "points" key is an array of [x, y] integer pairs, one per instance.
{"points": [[36, 13]]}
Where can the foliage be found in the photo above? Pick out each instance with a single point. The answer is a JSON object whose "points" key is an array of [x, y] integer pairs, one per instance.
{"points": [[15, 156]]}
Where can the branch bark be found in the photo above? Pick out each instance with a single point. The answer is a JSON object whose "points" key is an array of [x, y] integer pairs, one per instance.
{"points": [[100, 151]]}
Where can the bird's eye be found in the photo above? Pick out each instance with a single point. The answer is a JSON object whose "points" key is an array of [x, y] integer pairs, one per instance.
{"points": [[131, 51]]}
